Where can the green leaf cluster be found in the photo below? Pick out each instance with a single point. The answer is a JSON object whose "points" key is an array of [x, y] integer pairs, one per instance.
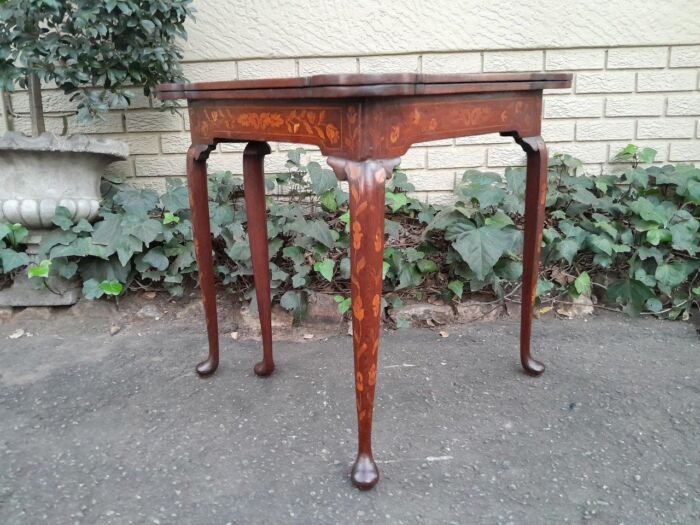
{"points": [[79, 45]]}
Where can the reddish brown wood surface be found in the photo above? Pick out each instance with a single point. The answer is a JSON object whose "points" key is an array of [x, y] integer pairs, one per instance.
{"points": [[254, 191], [364, 123]]}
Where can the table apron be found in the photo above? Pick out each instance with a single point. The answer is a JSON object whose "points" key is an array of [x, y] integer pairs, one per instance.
{"points": [[364, 128]]}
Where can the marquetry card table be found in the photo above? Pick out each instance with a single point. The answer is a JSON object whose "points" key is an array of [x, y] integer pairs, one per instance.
{"points": [[363, 123]]}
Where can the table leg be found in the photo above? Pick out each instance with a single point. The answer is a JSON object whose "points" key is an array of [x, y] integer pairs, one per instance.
{"points": [[535, 196], [199, 204], [254, 189], [366, 183]]}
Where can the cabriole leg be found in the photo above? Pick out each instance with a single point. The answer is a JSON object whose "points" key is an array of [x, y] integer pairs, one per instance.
{"points": [[199, 204], [254, 189], [366, 181], [535, 196]]}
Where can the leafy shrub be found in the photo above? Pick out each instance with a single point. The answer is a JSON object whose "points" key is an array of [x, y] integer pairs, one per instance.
{"points": [[630, 240], [81, 44]]}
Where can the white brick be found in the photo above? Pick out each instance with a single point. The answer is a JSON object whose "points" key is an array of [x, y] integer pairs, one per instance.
{"points": [[389, 64], [121, 168], [157, 184], [587, 152], [506, 156], [175, 142], [451, 63], [232, 162], [685, 56], [276, 162], [414, 158], [234, 147], [139, 143], [489, 138], [673, 128], [163, 166], [573, 59], [604, 129], [455, 157], [607, 82], [420, 195], [495, 61], [685, 151], [570, 107], [327, 65], [111, 122], [634, 106], [55, 101], [557, 130], [276, 68], [154, 121], [441, 142], [210, 71], [442, 198], [666, 80], [432, 180], [637, 57], [683, 105]]}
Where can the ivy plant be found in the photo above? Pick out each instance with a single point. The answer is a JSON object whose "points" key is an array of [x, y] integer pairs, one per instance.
{"points": [[629, 242]]}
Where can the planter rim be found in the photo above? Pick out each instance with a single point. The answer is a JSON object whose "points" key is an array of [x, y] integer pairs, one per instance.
{"points": [[13, 141]]}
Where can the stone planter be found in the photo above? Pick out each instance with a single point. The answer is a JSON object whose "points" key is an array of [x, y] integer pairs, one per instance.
{"points": [[37, 175]]}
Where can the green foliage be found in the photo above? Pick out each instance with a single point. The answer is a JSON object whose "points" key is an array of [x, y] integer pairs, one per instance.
{"points": [[83, 44], [630, 240]]}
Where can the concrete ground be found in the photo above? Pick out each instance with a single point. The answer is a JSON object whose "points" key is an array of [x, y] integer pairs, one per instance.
{"points": [[118, 429]]}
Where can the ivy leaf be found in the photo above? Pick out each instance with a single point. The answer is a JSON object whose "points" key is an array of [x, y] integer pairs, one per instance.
{"points": [[645, 253], [683, 236], [456, 287], [601, 243], [319, 231], [671, 274], [631, 293], [396, 200], [328, 201], [499, 220], [12, 260], [325, 268], [170, 218], [63, 218], [481, 248], [657, 236], [654, 305], [427, 266], [295, 302], [638, 177], [91, 289], [136, 201], [567, 249], [145, 230], [648, 211], [83, 226], [40, 270], [175, 199], [111, 287], [322, 180], [108, 231], [582, 284], [585, 197], [156, 258]]}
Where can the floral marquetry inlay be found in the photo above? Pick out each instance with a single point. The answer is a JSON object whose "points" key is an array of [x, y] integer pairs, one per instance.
{"points": [[329, 127]]}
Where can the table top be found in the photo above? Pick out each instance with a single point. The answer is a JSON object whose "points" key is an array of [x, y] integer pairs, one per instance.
{"points": [[364, 85]]}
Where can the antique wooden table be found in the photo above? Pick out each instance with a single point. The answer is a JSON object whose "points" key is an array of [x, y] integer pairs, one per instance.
{"points": [[363, 123]]}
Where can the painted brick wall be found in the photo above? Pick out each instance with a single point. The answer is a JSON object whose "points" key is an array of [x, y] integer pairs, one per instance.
{"points": [[635, 80]]}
